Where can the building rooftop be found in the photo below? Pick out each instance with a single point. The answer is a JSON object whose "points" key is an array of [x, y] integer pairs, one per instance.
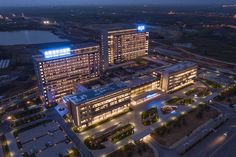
{"points": [[61, 51], [179, 66], [140, 81], [95, 93]]}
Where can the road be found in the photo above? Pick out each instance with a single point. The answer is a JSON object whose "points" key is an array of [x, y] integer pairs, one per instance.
{"points": [[217, 144], [201, 60]]}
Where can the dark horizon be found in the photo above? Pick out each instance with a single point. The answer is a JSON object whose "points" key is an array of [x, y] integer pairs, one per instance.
{"points": [[29, 3]]}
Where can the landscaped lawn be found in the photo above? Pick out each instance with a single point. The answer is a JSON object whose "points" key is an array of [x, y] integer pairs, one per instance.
{"points": [[139, 149], [179, 101], [212, 84], [114, 135], [199, 91], [175, 130], [228, 94], [150, 116]]}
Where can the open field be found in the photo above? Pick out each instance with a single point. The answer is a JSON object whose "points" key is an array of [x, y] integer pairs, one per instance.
{"points": [[175, 130], [140, 149]]}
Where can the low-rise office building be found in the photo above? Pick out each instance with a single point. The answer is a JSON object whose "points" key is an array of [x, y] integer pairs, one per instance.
{"points": [[143, 85], [143, 88], [179, 75], [58, 70], [94, 105]]}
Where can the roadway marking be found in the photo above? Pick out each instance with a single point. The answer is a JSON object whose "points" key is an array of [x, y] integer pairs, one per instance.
{"points": [[217, 149]]}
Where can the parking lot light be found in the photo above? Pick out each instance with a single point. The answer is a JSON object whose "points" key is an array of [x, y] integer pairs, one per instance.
{"points": [[9, 117]]}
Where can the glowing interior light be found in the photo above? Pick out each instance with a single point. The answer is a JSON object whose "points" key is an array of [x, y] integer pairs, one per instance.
{"points": [[57, 53], [141, 28]]}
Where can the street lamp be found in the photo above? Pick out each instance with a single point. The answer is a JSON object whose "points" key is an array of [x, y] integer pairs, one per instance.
{"points": [[9, 118]]}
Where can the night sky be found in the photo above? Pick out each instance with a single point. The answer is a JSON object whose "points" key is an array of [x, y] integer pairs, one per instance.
{"points": [[109, 2]]}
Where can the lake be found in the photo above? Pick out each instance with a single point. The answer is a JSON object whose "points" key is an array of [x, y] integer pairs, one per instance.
{"points": [[28, 37]]}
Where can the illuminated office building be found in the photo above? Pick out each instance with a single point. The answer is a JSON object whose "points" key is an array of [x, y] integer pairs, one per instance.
{"points": [[121, 45], [143, 84], [58, 70], [178, 76], [94, 105], [143, 88]]}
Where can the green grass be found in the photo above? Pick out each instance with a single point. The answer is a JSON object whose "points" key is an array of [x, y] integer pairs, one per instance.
{"points": [[122, 133], [113, 135], [150, 116], [212, 84], [183, 125], [230, 91], [179, 101], [190, 92], [139, 149], [89, 142]]}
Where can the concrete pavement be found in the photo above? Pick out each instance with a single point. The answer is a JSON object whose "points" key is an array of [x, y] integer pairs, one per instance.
{"points": [[52, 113], [217, 144]]}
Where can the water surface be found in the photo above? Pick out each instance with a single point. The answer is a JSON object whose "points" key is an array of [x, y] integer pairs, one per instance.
{"points": [[28, 37]]}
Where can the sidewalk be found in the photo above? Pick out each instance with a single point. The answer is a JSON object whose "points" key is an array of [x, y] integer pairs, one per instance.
{"points": [[149, 140], [11, 142], [1, 151]]}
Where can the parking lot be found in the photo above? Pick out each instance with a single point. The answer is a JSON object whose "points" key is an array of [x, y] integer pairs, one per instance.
{"points": [[44, 140]]}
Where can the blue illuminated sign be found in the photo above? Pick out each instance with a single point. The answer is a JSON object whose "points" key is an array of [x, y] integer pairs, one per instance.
{"points": [[151, 95], [141, 28], [56, 52]]}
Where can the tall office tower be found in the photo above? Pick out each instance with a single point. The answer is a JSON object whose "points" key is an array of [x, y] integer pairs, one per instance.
{"points": [[59, 70], [178, 76], [119, 45]]}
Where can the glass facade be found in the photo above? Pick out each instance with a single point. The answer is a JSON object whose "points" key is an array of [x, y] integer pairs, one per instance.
{"points": [[100, 108], [124, 45], [58, 76], [172, 81]]}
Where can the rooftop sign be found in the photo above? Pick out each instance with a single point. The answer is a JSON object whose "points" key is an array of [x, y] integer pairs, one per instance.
{"points": [[57, 52], [141, 28]]}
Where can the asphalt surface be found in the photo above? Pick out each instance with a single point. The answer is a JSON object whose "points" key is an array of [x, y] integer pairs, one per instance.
{"points": [[53, 114], [220, 143]]}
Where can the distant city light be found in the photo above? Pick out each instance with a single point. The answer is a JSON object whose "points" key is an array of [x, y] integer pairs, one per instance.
{"points": [[46, 22], [141, 28], [57, 53]]}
